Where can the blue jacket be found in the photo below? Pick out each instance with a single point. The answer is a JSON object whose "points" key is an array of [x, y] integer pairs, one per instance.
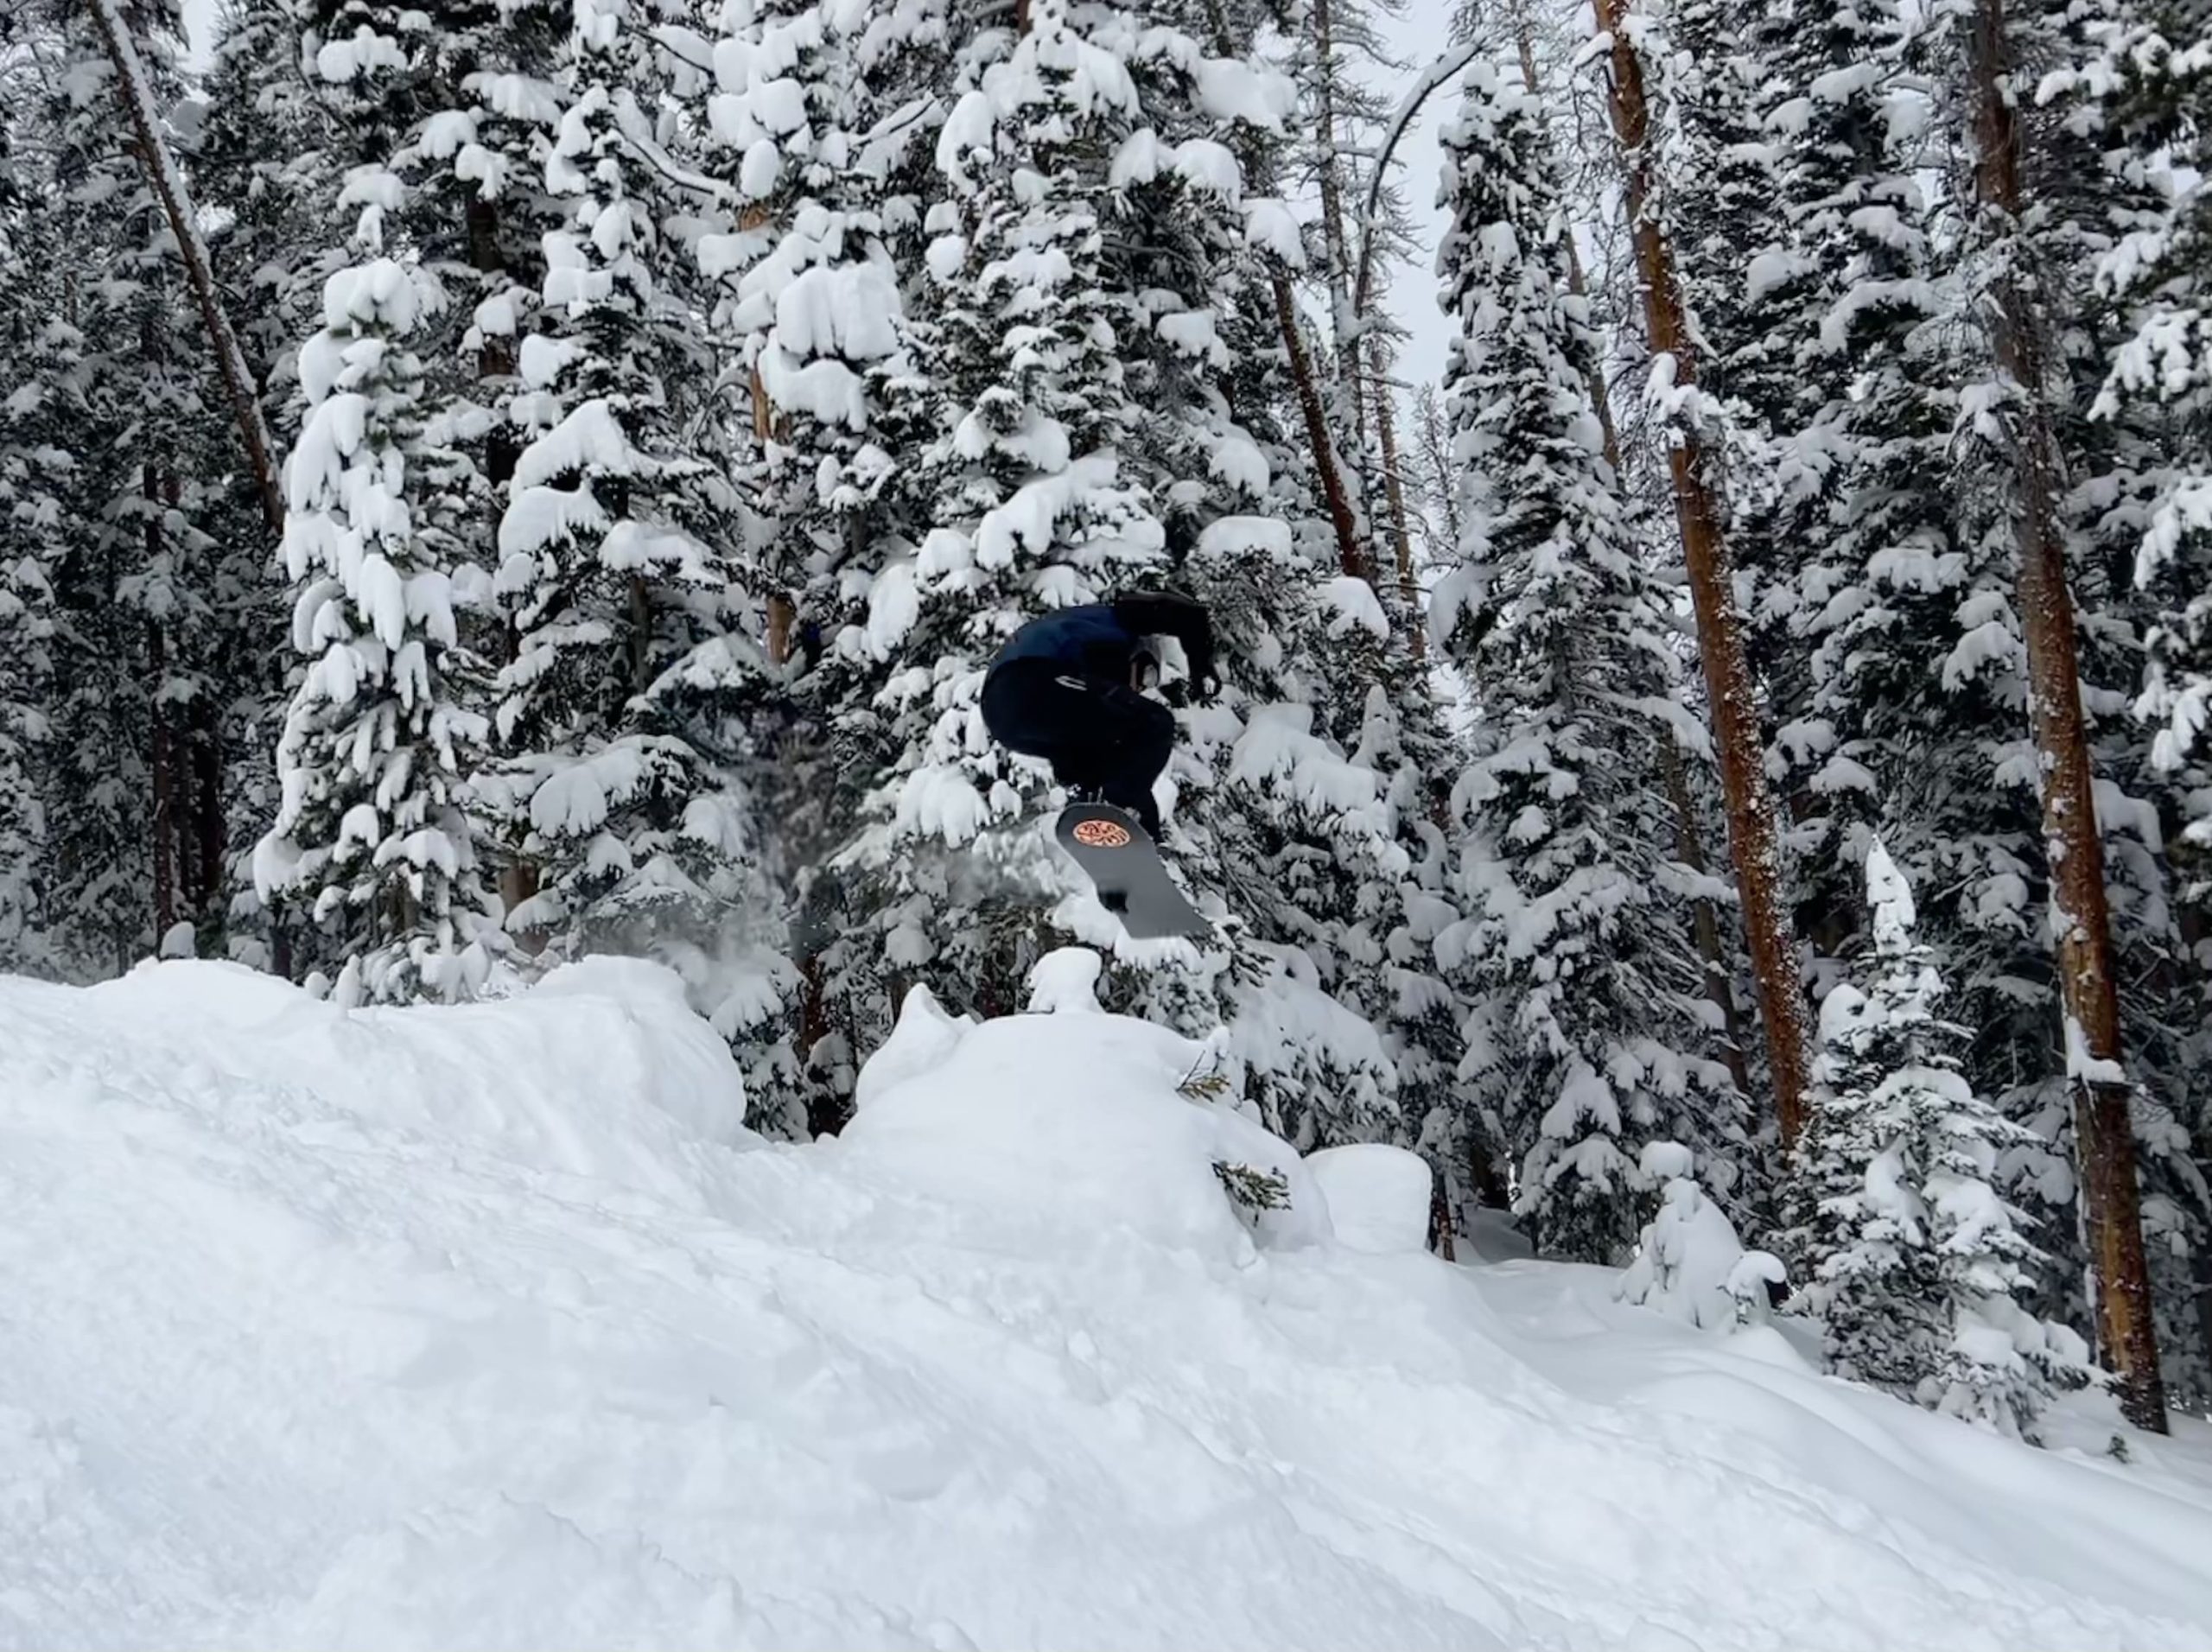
{"points": [[1102, 639]]}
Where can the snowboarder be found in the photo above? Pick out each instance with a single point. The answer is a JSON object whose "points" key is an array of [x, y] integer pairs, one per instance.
{"points": [[1069, 687]]}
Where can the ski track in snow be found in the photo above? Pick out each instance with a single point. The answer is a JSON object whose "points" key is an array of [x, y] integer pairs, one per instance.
{"points": [[489, 1327]]}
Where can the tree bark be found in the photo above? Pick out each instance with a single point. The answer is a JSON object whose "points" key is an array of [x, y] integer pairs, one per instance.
{"points": [[1754, 844], [2104, 1132], [163, 777], [1360, 367], [1351, 555], [495, 355], [154, 159], [1705, 921], [1342, 321]]}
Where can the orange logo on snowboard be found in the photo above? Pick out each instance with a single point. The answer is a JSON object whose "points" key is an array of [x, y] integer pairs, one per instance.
{"points": [[1100, 835]]}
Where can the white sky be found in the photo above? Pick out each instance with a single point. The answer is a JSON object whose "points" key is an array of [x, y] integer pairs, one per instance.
{"points": [[1419, 38]]}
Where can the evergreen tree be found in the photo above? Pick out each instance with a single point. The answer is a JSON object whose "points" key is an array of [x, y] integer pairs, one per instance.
{"points": [[1585, 1032], [1916, 1262], [370, 832], [820, 134], [614, 540]]}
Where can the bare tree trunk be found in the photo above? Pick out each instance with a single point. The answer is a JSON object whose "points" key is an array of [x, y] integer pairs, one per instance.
{"points": [[154, 159], [783, 613], [1754, 845], [1359, 359], [1351, 555], [1344, 322], [162, 776], [2103, 1133], [495, 356]]}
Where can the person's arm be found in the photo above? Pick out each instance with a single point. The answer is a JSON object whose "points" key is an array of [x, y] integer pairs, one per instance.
{"points": [[1151, 615]]}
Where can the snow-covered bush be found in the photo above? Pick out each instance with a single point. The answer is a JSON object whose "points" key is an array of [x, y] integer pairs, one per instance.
{"points": [[1690, 1263]]}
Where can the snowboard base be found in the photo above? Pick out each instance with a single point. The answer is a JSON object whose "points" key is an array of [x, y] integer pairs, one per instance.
{"points": [[1123, 865]]}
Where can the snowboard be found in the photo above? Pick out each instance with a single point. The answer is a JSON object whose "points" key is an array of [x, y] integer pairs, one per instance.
{"points": [[1123, 865]]}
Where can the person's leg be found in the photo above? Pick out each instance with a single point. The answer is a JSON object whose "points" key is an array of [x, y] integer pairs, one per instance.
{"points": [[1097, 735], [1143, 738]]}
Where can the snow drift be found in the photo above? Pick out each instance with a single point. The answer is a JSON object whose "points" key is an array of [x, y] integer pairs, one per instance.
{"points": [[492, 1326]]}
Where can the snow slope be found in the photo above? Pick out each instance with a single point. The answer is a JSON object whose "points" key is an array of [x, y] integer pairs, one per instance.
{"points": [[490, 1326]]}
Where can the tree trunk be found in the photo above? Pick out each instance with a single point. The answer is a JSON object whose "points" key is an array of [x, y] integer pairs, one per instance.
{"points": [[163, 777], [1343, 323], [161, 176], [1435, 448], [1352, 553], [1359, 367], [2103, 1131], [1754, 845], [495, 355]]}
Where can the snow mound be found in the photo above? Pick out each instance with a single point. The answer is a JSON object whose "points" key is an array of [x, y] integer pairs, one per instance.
{"points": [[489, 1326], [1377, 1196], [1071, 1118], [661, 1084]]}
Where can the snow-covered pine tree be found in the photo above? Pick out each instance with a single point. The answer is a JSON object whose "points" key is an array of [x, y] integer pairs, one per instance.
{"points": [[484, 107], [1585, 1032], [1915, 1262], [614, 546], [370, 834], [2143, 83], [1022, 486], [259, 158], [1304, 799], [1829, 354], [818, 130], [36, 480], [130, 716]]}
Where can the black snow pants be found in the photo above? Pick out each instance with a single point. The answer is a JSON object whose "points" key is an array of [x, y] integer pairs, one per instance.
{"points": [[1099, 735]]}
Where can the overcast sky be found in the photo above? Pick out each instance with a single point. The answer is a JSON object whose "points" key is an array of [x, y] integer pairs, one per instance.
{"points": [[1419, 37]]}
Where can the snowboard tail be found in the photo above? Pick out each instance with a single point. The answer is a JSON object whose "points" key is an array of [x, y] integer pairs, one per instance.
{"points": [[1123, 865]]}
